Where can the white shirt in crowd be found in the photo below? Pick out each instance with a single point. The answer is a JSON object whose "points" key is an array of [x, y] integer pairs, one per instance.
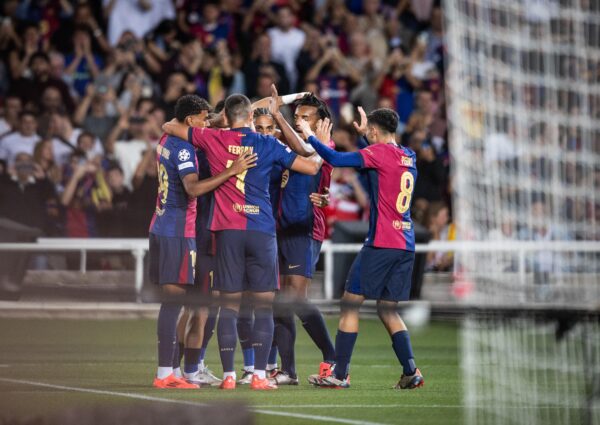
{"points": [[127, 15], [15, 143], [285, 47], [129, 154], [62, 151]]}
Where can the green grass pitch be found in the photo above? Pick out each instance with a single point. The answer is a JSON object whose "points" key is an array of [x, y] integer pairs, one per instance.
{"points": [[118, 356]]}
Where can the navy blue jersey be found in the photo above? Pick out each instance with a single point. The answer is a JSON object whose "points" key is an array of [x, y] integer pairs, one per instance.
{"points": [[175, 213], [203, 234]]}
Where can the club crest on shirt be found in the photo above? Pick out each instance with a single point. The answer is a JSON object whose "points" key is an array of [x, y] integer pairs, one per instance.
{"points": [[247, 209], [183, 155]]}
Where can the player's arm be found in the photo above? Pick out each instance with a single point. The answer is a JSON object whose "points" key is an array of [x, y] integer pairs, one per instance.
{"points": [[337, 159], [176, 128], [195, 187], [185, 132], [288, 135], [310, 166]]}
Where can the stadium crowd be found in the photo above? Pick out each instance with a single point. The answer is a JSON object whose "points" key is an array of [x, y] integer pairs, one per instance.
{"points": [[86, 86]]}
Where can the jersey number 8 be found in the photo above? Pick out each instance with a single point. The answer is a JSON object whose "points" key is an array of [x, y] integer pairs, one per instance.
{"points": [[406, 188]]}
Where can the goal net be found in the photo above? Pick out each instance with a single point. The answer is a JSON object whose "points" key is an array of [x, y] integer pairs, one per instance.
{"points": [[523, 84]]}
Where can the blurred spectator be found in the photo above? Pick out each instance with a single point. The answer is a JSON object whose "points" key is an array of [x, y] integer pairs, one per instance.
{"points": [[21, 141], [66, 139], [28, 197], [20, 56], [143, 199], [96, 113], [29, 89], [127, 141], [86, 193], [43, 156], [10, 119], [137, 16], [432, 175], [114, 221], [83, 65], [436, 221], [286, 42], [260, 62]]}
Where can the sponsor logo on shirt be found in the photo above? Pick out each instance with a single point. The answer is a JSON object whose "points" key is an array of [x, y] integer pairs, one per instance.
{"points": [[184, 155], [247, 209], [402, 225], [238, 150], [406, 161]]}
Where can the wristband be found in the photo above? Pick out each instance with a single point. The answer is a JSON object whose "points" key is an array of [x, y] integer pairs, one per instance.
{"points": [[290, 98]]}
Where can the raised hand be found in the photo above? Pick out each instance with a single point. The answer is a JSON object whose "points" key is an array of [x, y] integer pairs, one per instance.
{"points": [[306, 130], [319, 200], [243, 162], [362, 128], [274, 100], [323, 132]]}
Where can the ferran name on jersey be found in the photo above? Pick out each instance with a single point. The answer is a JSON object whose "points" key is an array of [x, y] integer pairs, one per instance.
{"points": [[238, 150], [247, 209], [407, 162], [404, 225], [162, 151]]}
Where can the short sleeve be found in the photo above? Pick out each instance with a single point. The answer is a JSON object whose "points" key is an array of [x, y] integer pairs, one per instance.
{"points": [[372, 156], [185, 160], [199, 136], [282, 154]]}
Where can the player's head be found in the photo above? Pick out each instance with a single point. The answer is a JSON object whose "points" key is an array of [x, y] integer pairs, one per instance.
{"points": [[238, 110], [264, 122], [311, 109], [381, 125], [192, 110]]}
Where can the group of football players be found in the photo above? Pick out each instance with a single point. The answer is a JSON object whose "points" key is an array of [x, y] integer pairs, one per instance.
{"points": [[239, 222]]}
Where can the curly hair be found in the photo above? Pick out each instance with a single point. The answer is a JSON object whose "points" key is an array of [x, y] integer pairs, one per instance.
{"points": [[190, 104], [384, 118], [312, 100]]}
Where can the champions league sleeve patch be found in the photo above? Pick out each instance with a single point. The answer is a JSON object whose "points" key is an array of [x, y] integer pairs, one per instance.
{"points": [[183, 155]]}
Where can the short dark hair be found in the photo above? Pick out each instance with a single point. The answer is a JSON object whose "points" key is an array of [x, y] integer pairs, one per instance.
{"points": [[312, 100], [27, 112], [190, 104], [259, 112], [384, 118], [39, 55], [219, 106], [237, 106]]}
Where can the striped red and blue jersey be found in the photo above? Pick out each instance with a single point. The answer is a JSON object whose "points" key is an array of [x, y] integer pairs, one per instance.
{"points": [[204, 243], [175, 213], [297, 214], [275, 185], [391, 175], [242, 202]]}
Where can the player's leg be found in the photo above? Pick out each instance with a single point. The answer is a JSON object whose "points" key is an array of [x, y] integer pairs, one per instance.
{"points": [[397, 288], [229, 281], [272, 362], [244, 329], [171, 266], [179, 349], [285, 333], [193, 342], [347, 327], [262, 278], [209, 328]]}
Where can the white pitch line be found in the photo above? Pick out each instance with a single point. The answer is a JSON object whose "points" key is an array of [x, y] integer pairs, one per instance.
{"points": [[356, 406], [4, 365], [188, 403]]}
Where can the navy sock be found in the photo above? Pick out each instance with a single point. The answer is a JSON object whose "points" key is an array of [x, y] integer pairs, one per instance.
{"points": [[313, 323], [192, 358], [166, 330], [262, 337], [209, 330], [244, 330], [344, 345], [403, 350], [285, 338], [273, 354], [178, 355], [227, 337]]}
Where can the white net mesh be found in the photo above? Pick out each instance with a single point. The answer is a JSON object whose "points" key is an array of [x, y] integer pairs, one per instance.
{"points": [[524, 96], [524, 106]]}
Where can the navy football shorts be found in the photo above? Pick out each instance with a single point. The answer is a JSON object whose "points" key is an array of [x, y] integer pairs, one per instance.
{"points": [[381, 274], [246, 261], [298, 255], [172, 260]]}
